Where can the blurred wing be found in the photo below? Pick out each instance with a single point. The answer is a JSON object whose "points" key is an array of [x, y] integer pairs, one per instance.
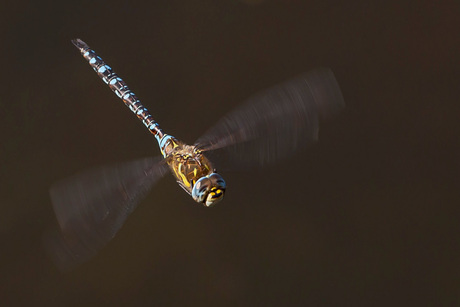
{"points": [[92, 206], [274, 123]]}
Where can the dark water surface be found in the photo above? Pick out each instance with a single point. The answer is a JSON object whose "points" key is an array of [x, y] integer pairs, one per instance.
{"points": [[367, 217]]}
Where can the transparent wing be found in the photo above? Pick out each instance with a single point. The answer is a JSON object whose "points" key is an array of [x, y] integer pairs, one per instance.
{"points": [[274, 123], [92, 206]]}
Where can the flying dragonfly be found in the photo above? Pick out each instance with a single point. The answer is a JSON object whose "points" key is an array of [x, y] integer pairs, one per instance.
{"points": [[93, 205]]}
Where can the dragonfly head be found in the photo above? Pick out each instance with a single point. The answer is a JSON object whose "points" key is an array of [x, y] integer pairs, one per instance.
{"points": [[209, 190]]}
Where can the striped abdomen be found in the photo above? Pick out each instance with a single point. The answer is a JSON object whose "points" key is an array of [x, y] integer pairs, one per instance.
{"points": [[120, 88]]}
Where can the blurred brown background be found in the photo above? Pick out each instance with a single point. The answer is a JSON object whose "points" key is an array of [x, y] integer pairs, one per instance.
{"points": [[367, 217]]}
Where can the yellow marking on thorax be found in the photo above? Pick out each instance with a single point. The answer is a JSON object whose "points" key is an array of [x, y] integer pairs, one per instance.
{"points": [[186, 165], [182, 176]]}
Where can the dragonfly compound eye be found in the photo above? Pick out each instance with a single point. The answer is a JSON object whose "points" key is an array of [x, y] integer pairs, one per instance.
{"points": [[209, 190]]}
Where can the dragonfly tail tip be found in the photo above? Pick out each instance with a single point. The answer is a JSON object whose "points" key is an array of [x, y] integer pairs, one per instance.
{"points": [[79, 43]]}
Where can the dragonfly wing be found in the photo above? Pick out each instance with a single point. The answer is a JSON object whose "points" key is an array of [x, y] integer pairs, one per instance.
{"points": [[92, 206], [274, 123]]}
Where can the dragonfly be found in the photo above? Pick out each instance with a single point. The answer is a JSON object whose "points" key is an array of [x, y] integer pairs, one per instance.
{"points": [[92, 206]]}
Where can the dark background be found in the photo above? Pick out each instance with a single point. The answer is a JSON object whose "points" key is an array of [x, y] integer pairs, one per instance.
{"points": [[366, 217]]}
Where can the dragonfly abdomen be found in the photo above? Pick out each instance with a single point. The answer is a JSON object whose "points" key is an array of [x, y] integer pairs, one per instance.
{"points": [[119, 87]]}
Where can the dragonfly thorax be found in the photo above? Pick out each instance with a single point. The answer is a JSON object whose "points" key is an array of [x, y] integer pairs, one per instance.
{"points": [[194, 172]]}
